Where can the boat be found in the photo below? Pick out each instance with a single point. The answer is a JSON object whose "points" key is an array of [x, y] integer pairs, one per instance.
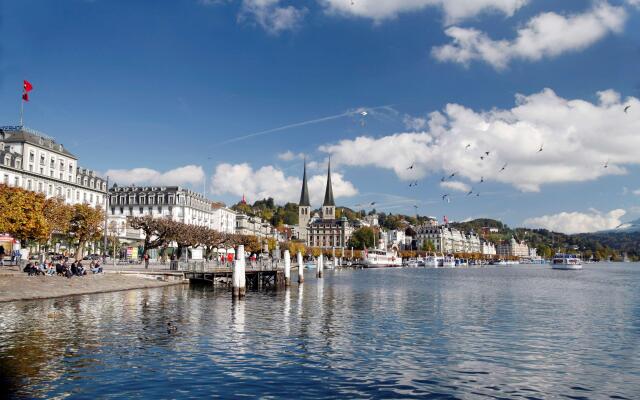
{"points": [[448, 262], [378, 258], [433, 262], [566, 262]]}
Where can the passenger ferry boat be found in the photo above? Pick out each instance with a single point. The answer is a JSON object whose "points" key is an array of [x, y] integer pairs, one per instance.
{"points": [[378, 258], [566, 261]]}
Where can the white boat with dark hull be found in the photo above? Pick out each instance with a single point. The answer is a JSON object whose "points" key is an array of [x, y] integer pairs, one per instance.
{"points": [[566, 262], [377, 258]]}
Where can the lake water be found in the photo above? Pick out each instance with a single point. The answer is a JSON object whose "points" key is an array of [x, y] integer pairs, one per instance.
{"points": [[499, 332]]}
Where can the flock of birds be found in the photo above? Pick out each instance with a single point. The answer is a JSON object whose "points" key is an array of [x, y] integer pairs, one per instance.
{"points": [[485, 155]]}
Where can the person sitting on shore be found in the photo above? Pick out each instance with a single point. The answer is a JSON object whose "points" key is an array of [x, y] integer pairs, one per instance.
{"points": [[28, 269], [42, 269], [80, 269], [74, 268], [97, 268], [51, 270]]}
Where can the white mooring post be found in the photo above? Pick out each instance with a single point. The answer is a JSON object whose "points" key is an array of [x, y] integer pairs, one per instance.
{"points": [[287, 268], [319, 267], [300, 268], [239, 279]]}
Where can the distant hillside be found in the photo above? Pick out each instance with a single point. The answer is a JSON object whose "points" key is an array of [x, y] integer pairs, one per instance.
{"points": [[628, 227]]}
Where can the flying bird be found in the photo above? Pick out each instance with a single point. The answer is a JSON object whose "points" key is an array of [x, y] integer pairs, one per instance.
{"points": [[373, 203], [470, 192], [364, 113], [469, 145], [452, 175], [445, 196], [540, 150], [503, 167], [481, 179], [410, 167], [482, 157], [443, 179], [477, 194], [606, 164], [626, 109]]}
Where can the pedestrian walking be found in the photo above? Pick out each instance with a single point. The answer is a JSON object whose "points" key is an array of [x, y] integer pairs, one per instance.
{"points": [[146, 260]]}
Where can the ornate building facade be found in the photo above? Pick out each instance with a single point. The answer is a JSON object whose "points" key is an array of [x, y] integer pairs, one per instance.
{"points": [[324, 230], [34, 161]]}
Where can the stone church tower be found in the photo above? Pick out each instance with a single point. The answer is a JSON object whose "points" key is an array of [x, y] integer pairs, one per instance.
{"points": [[304, 208], [329, 205]]}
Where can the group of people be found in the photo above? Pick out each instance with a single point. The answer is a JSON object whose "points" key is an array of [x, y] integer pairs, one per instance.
{"points": [[62, 269]]}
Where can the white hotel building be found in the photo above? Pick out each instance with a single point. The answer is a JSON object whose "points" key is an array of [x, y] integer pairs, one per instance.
{"points": [[175, 202], [450, 240], [34, 161]]}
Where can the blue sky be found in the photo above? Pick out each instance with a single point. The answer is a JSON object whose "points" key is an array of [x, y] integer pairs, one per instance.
{"points": [[142, 89]]}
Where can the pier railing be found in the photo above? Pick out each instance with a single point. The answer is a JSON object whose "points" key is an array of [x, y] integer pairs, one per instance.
{"points": [[202, 266]]}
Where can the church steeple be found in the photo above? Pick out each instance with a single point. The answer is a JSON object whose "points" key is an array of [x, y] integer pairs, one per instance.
{"points": [[329, 205], [328, 194], [304, 194]]}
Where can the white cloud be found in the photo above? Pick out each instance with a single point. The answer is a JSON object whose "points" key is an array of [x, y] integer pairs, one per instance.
{"points": [[187, 175], [545, 35], [636, 192], [269, 181], [414, 123], [455, 185], [454, 10], [271, 15], [578, 138], [578, 222], [290, 156], [635, 3]]}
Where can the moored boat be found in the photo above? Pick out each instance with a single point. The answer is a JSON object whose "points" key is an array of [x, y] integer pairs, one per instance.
{"points": [[378, 258], [566, 262]]}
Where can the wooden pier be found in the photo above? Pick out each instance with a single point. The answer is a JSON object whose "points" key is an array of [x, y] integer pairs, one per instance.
{"points": [[258, 277]]}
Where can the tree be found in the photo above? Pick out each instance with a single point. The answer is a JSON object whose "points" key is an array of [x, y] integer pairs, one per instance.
{"points": [[85, 225], [427, 245], [157, 231], [362, 238], [58, 215], [22, 214]]}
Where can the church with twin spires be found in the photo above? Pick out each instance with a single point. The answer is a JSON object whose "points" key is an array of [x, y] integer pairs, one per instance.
{"points": [[321, 230]]}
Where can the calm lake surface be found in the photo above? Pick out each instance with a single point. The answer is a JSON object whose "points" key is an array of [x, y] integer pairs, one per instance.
{"points": [[498, 332]]}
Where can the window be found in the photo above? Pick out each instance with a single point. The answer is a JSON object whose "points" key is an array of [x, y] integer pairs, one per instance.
{"points": [[84, 196], [6, 179], [7, 160], [60, 175], [29, 184], [30, 167], [70, 168], [39, 186], [91, 198], [42, 160], [16, 181], [51, 173], [68, 193], [50, 191], [18, 164], [31, 156], [77, 195], [53, 163], [41, 171]]}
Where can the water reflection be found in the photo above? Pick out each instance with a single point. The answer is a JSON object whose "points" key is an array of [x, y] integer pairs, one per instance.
{"points": [[390, 333]]}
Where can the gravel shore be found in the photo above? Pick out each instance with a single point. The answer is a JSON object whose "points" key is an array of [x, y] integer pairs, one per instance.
{"points": [[16, 285]]}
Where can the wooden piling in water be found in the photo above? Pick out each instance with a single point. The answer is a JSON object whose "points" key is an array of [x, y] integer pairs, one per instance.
{"points": [[239, 278], [300, 268], [287, 268], [319, 267]]}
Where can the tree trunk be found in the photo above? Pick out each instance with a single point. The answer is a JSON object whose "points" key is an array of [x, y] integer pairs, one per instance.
{"points": [[80, 249]]}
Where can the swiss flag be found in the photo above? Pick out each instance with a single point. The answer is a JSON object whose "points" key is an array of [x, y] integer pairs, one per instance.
{"points": [[25, 96], [27, 86]]}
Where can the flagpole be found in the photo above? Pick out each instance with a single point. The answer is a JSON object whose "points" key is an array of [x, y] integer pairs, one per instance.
{"points": [[21, 111]]}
